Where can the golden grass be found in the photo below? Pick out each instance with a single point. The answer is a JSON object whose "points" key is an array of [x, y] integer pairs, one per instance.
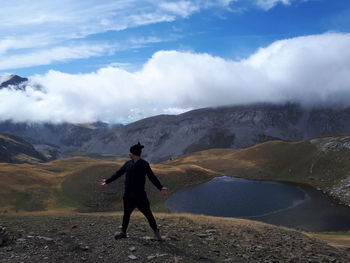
{"points": [[72, 184], [295, 162], [335, 240]]}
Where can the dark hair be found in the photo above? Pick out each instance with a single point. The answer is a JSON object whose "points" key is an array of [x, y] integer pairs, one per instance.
{"points": [[136, 149]]}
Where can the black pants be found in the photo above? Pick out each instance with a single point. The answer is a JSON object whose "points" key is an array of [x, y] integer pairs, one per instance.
{"points": [[140, 201]]}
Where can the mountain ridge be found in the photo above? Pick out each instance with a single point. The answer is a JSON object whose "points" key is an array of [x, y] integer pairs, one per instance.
{"points": [[168, 136]]}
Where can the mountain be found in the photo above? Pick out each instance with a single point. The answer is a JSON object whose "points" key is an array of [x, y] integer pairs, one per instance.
{"points": [[54, 137], [14, 149], [168, 136], [13, 81], [237, 127]]}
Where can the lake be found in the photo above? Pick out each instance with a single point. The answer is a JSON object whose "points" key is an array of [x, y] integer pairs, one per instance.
{"points": [[293, 206]]}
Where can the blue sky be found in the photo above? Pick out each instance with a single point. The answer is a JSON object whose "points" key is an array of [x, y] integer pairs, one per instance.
{"points": [[123, 60], [127, 33]]}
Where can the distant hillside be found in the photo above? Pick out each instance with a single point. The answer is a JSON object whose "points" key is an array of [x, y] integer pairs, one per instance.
{"points": [[322, 162], [14, 149], [63, 137]]}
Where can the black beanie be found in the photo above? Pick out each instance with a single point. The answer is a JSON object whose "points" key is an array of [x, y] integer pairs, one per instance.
{"points": [[136, 149]]}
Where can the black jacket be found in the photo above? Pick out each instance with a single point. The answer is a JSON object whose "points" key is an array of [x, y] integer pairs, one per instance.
{"points": [[135, 177]]}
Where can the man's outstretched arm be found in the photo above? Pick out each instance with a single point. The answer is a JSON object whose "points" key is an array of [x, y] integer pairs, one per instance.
{"points": [[154, 178], [116, 175]]}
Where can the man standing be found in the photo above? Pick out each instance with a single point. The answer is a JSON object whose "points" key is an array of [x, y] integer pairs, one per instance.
{"points": [[135, 195]]}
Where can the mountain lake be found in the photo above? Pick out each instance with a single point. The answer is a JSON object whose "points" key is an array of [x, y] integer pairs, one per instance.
{"points": [[299, 207]]}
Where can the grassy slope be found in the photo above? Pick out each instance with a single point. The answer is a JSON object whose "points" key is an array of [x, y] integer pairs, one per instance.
{"points": [[296, 162], [336, 239], [71, 184], [35, 186]]}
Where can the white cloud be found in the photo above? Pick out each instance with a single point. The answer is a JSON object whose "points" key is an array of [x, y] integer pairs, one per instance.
{"points": [[30, 29], [145, 40], [268, 4], [42, 55], [55, 21], [23, 42], [45, 57], [181, 8], [310, 70], [245, 5], [37, 27]]}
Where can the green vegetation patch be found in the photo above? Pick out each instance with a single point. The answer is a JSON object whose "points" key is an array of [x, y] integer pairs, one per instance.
{"points": [[33, 199], [81, 189]]}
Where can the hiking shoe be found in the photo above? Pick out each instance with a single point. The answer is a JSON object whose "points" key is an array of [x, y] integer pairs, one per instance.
{"points": [[157, 235], [120, 235]]}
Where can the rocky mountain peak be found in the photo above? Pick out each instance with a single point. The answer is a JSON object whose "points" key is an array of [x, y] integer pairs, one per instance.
{"points": [[332, 143], [12, 80]]}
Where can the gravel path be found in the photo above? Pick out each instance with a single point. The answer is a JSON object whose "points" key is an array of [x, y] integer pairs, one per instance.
{"points": [[188, 238]]}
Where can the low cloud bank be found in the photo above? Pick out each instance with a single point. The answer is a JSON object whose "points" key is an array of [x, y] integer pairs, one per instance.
{"points": [[311, 70]]}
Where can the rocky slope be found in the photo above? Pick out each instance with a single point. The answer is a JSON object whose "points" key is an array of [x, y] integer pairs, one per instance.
{"points": [[337, 146], [187, 238], [63, 137], [226, 127], [14, 149]]}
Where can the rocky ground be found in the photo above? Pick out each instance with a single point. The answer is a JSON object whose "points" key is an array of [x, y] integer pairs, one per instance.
{"points": [[187, 238]]}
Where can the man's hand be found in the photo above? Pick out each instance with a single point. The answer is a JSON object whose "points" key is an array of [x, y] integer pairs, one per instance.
{"points": [[102, 182], [164, 190]]}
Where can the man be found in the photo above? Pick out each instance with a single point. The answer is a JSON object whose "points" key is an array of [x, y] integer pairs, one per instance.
{"points": [[135, 195]]}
